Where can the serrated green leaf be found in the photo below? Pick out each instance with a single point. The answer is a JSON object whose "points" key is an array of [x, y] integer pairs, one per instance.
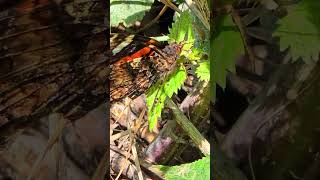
{"points": [[192, 54], [197, 170], [300, 30], [195, 54], [226, 44], [158, 93], [182, 29], [203, 71], [128, 11]]}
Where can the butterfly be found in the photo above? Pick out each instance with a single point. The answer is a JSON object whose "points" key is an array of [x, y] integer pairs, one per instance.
{"points": [[140, 64]]}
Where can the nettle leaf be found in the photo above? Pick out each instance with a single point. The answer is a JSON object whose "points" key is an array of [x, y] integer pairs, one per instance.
{"points": [[158, 93], [194, 54], [203, 71], [181, 30], [199, 169], [300, 30], [226, 44], [128, 11]]}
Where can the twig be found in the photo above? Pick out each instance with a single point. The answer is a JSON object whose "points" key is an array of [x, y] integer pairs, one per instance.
{"points": [[171, 5], [238, 22], [128, 152], [119, 135], [118, 156], [52, 140], [133, 148], [136, 160], [122, 113], [189, 128], [56, 123], [154, 20]]}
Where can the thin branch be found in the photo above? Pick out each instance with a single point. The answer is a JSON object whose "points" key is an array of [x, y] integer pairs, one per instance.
{"points": [[154, 20], [52, 140], [238, 22], [134, 149], [171, 5], [189, 128], [130, 145]]}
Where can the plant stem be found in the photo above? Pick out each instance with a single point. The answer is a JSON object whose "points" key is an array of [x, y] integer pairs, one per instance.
{"points": [[189, 128]]}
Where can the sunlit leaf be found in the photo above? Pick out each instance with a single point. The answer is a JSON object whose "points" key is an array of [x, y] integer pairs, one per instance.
{"points": [[203, 71], [158, 93], [182, 29]]}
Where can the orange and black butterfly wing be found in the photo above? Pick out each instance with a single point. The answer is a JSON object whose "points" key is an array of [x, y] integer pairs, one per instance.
{"points": [[137, 43], [131, 79]]}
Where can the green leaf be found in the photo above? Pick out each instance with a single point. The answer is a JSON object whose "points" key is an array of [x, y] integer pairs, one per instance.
{"points": [[128, 11], [203, 71], [300, 30], [158, 93], [226, 44], [195, 54], [184, 30], [197, 170], [181, 30]]}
